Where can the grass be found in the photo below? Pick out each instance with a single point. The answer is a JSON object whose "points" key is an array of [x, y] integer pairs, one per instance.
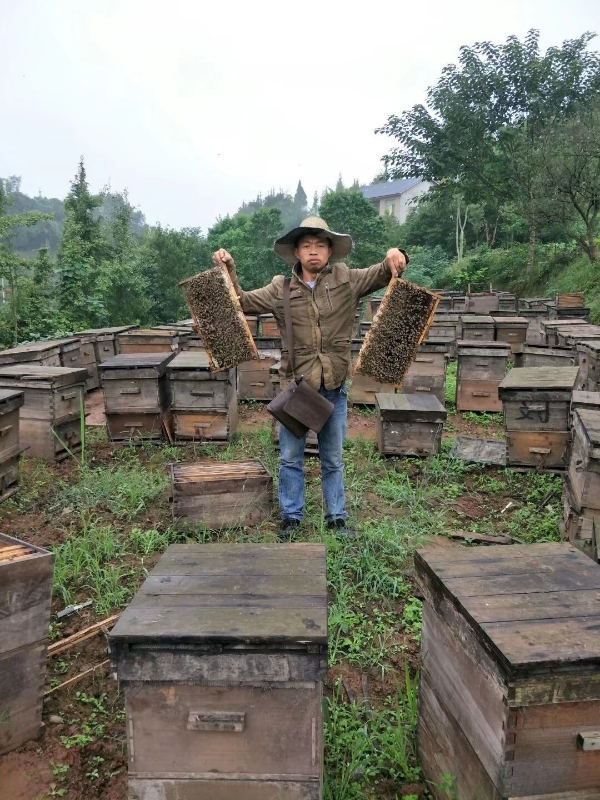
{"points": [[114, 520]]}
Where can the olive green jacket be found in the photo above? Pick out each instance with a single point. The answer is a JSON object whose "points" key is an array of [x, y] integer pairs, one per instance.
{"points": [[322, 318]]}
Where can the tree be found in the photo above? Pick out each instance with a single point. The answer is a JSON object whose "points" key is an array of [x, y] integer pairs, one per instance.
{"points": [[570, 164], [480, 129], [80, 254], [300, 199], [348, 211]]}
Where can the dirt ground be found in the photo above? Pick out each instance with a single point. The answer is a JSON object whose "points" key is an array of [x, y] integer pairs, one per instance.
{"points": [[60, 763]]}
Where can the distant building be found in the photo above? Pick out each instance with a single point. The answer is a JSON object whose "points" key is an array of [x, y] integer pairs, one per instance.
{"points": [[396, 197]]}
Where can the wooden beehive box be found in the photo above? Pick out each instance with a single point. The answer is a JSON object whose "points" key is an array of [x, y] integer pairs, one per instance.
{"points": [[254, 381], [536, 303], [481, 303], [507, 301], [372, 307], [409, 424], [526, 355], [104, 339], [148, 341], [477, 326], [556, 312], [50, 418], [87, 359], [25, 595], [445, 303], [511, 329], [136, 395], [445, 326], [510, 696], [550, 327], [439, 344], [536, 403], [570, 337], [570, 300], [427, 375], [11, 402], [363, 390], [252, 320], [221, 657], [269, 327], [481, 367], [588, 352], [203, 403], [459, 303], [581, 528], [223, 494], [584, 465], [45, 354]]}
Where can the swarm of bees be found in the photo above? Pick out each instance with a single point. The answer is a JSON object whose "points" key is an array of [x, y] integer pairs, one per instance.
{"points": [[219, 319], [398, 328]]}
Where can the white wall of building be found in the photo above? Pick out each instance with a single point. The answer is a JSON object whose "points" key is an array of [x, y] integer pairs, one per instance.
{"points": [[400, 205]]}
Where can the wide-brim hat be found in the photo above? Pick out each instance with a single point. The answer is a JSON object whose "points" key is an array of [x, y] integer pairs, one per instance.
{"points": [[341, 243]]}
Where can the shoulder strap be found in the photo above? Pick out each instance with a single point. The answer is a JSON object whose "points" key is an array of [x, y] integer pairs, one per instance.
{"points": [[289, 330]]}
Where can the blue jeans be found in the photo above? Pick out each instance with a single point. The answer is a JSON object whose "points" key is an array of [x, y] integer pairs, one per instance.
{"points": [[291, 467]]}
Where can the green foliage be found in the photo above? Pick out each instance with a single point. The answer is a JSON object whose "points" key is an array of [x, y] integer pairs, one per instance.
{"points": [[292, 209], [347, 211]]}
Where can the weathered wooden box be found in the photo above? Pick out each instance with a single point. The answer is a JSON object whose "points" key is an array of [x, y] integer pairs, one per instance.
{"points": [[363, 390], [588, 352], [584, 466], [427, 375], [445, 326], [510, 695], [580, 527], [507, 301], [550, 328], [269, 327], [570, 337], [511, 329], [409, 424], [25, 595], [481, 302], [11, 402], [252, 320], [559, 312], [41, 353], [527, 355], [481, 368], [534, 303], [477, 326], [203, 403], [136, 395], [224, 494], [50, 418], [439, 344], [459, 303], [148, 341], [536, 403], [254, 382], [86, 359], [221, 657], [104, 340], [372, 307]]}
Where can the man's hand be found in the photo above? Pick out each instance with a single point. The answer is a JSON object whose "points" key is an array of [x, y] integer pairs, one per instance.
{"points": [[396, 261], [223, 258]]}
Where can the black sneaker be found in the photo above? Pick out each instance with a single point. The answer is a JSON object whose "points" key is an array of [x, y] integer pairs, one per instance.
{"points": [[287, 529], [340, 526]]}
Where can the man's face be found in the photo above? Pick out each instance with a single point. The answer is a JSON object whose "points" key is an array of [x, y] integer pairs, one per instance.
{"points": [[313, 253]]}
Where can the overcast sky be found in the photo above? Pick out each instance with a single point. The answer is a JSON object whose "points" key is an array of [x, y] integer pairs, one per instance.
{"points": [[196, 106]]}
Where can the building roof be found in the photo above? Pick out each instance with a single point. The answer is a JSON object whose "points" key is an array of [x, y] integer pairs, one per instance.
{"points": [[389, 188]]}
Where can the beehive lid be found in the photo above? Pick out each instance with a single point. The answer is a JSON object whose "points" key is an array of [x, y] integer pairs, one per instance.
{"points": [[562, 323], [542, 350], [231, 593], [190, 360], [67, 344], [10, 396], [545, 379], [407, 407], [464, 345], [532, 606], [105, 331], [154, 361], [585, 400], [30, 352], [590, 420], [511, 321], [29, 374], [580, 331], [477, 319], [146, 333], [14, 549]]}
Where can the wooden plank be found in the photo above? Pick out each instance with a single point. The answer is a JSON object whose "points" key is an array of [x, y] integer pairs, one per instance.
{"points": [[280, 736], [76, 638], [86, 673], [479, 451], [22, 675], [219, 789], [544, 605], [219, 585], [25, 597], [569, 566], [432, 557], [544, 378]]}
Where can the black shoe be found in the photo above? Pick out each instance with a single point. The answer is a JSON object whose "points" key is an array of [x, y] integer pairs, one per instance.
{"points": [[339, 526], [287, 529]]}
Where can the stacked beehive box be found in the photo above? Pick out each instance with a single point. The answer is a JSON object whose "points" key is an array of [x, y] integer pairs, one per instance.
{"points": [[477, 327], [550, 328], [221, 494], [509, 692], [104, 340], [588, 353], [512, 330], [533, 303], [481, 303], [534, 317], [581, 492], [481, 368], [252, 320], [10, 447], [148, 341], [409, 424], [254, 382], [427, 373], [445, 326], [507, 301], [46, 354], [50, 418], [136, 395], [268, 327], [526, 355], [459, 303], [567, 312], [88, 359], [25, 595], [536, 403], [569, 337], [223, 688], [203, 403]]}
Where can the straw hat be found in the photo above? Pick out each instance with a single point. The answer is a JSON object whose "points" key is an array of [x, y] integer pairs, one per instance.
{"points": [[341, 243]]}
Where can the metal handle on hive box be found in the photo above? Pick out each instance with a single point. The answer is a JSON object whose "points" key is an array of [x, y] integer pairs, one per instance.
{"points": [[217, 721]]}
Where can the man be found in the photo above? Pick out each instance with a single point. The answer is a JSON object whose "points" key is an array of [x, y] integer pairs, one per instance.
{"points": [[324, 299]]}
